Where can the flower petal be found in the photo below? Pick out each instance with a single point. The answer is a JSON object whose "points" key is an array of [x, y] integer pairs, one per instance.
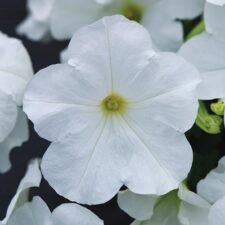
{"points": [[193, 209], [192, 198], [217, 2], [120, 39], [67, 16], [206, 59], [16, 138], [168, 91], [40, 9], [212, 85], [194, 215], [210, 62], [35, 212], [166, 211], [32, 178], [215, 20], [217, 214], [68, 214], [15, 67], [64, 112], [92, 161], [33, 29], [140, 207], [168, 36], [8, 116], [182, 9], [212, 188], [162, 155]]}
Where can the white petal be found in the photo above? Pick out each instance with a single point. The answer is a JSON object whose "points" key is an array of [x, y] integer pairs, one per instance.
{"points": [[163, 169], [193, 215], [168, 91], [67, 16], [33, 29], [33, 213], [65, 96], [40, 9], [193, 209], [217, 214], [215, 20], [166, 211], [165, 31], [32, 178], [210, 62], [8, 116], [192, 198], [15, 139], [140, 207], [217, 2], [206, 59], [212, 187], [64, 55], [120, 55], [93, 162], [68, 214], [15, 67], [212, 85], [183, 9]]}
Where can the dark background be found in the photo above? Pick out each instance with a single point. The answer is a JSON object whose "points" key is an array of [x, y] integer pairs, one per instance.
{"points": [[12, 12]]}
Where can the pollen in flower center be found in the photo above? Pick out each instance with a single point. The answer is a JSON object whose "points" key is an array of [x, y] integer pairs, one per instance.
{"points": [[113, 103], [132, 11]]}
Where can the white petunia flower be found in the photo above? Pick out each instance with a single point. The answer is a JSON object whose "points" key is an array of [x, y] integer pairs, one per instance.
{"points": [[212, 188], [179, 207], [37, 212], [64, 17], [15, 73], [116, 114], [31, 179], [207, 52]]}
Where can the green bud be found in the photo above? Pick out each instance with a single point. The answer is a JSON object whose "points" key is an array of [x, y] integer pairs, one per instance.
{"points": [[218, 108], [209, 123]]}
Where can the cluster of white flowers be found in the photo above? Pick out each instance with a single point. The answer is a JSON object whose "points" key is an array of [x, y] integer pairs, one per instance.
{"points": [[117, 109]]}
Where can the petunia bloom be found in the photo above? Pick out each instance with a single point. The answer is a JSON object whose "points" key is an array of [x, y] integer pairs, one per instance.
{"points": [[63, 17], [179, 207], [116, 114], [15, 73]]}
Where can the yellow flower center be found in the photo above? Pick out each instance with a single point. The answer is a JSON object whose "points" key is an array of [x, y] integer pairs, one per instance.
{"points": [[113, 103], [132, 11]]}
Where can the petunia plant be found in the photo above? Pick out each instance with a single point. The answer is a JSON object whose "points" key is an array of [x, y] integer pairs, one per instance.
{"points": [[134, 111]]}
